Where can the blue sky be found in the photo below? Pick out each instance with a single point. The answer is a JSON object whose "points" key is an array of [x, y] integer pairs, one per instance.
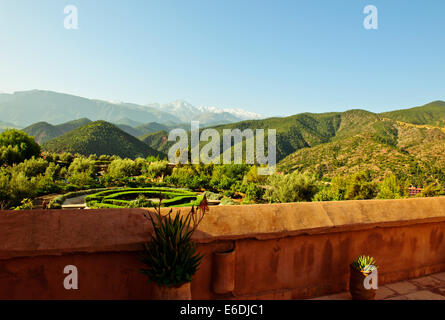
{"points": [[271, 57]]}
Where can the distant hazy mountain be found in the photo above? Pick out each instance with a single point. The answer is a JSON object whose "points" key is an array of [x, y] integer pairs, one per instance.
{"points": [[29, 107], [6, 125], [206, 115]]}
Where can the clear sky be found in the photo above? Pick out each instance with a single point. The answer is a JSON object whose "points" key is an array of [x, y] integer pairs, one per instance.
{"points": [[272, 57]]}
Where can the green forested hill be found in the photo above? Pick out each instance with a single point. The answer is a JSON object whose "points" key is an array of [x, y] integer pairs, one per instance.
{"points": [[43, 131], [430, 114], [403, 149], [409, 143], [157, 140], [71, 125], [100, 138]]}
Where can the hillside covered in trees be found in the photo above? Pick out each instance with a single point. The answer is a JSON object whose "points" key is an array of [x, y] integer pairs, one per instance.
{"points": [[101, 138]]}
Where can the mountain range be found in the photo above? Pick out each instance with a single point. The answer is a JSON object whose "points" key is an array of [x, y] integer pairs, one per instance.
{"points": [[408, 142], [24, 108]]}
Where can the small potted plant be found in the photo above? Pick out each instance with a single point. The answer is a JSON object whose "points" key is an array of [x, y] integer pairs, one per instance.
{"points": [[360, 269], [171, 255]]}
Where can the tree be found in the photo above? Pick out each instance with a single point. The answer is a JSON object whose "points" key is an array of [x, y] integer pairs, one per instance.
{"points": [[18, 142], [82, 172], [390, 188], [293, 187], [361, 187]]}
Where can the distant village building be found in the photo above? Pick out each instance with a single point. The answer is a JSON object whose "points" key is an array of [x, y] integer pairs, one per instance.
{"points": [[414, 190]]}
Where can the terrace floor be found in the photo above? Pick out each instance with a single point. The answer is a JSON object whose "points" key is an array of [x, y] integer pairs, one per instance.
{"points": [[431, 287]]}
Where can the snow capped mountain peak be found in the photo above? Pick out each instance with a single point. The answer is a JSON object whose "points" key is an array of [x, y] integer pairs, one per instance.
{"points": [[240, 113], [187, 112]]}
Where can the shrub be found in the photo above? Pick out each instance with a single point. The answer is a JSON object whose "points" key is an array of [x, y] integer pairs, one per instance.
{"points": [[253, 192], [213, 196], [82, 172], [157, 169], [334, 191], [26, 205], [46, 183], [390, 188], [32, 167], [9, 155], [361, 187], [293, 187], [187, 177], [14, 187], [227, 202], [432, 190], [122, 169], [66, 157]]}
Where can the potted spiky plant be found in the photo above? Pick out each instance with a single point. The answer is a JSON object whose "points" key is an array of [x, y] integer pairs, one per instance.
{"points": [[171, 255], [361, 268]]}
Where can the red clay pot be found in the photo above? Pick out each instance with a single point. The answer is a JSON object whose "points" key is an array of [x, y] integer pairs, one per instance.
{"points": [[182, 292], [357, 288]]}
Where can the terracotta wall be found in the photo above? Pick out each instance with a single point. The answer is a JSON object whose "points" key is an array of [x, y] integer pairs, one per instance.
{"points": [[282, 251]]}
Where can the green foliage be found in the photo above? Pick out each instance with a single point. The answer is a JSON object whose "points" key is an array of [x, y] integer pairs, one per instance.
{"points": [[213, 196], [335, 191], [364, 264], [293, 187], [14, 187], [47, 183], [67, 157], [120, 170], [157, 169], [82, 172], [360, 186], [26, 204], [390, 188], [171, 255], [226, 201], [16, 146], [32, 167], [253, 192], [432, 190], [189, 177]]}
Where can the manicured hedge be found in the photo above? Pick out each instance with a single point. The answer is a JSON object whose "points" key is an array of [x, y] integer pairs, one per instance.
{"points": [[121, 197], [56, 202]]}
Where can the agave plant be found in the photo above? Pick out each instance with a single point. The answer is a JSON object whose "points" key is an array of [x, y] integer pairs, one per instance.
{"points": [[171, 254], [365, 264]]}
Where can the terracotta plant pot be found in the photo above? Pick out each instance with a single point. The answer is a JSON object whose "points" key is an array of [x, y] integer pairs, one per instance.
{"points": [[182, 292], [357, 288]]}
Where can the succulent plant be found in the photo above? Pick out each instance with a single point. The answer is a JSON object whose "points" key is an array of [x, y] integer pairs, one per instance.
{"points": [[171, 255], [365, 264]]}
